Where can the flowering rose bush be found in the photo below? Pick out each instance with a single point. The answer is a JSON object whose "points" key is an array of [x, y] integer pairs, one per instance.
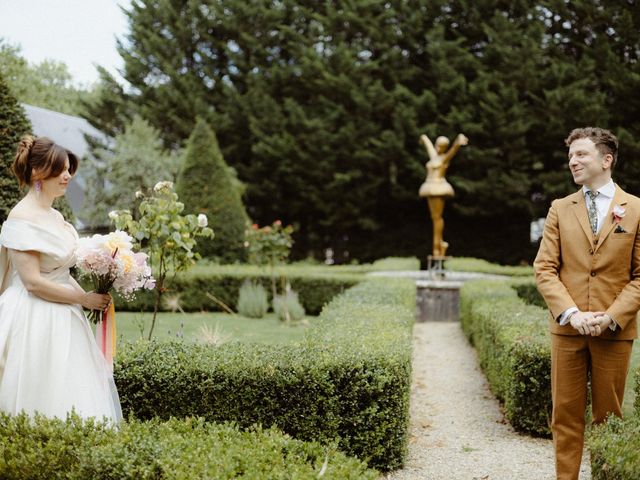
{"points": [[270, 244], [167, 236]]}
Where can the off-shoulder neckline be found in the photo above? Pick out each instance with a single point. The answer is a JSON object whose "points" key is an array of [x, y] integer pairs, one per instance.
{"points": [[30, 222]]}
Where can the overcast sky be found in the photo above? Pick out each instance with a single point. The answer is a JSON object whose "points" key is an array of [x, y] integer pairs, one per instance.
{"points": [[81, 33]]}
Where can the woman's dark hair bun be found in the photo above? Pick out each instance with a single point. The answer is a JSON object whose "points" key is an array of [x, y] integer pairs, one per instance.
{"points": [[21, 166], [41, 158]]}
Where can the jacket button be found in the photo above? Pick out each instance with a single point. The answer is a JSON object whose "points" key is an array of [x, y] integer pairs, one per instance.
{"points": [[593, 274], [591, 251]]}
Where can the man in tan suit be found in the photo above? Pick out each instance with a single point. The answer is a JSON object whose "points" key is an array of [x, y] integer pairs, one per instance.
{"points": [[588, 271]]}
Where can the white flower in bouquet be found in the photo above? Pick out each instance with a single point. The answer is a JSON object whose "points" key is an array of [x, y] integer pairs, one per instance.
{"points": [[118, 240], [202, 220]]}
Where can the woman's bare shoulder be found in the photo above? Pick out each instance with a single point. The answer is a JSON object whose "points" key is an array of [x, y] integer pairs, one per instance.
{"points": [[57, 214], [21, 212]]}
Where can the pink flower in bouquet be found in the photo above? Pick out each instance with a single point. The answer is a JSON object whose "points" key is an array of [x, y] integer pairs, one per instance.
{"points": [[110, 263]]}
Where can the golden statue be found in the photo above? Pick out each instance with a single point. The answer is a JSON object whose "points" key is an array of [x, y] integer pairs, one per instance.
{"points": [[435, 187]]}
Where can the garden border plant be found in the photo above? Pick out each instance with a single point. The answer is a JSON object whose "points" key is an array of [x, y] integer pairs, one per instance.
{"points": [[176, 449], [615, 445], [513, 345], [348, 381]]}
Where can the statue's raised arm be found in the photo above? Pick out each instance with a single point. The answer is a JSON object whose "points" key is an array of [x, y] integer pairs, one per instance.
{"points": [[460, 141], [431, 150]]}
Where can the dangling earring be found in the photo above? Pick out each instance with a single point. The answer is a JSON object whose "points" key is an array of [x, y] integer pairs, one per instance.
{"points": [[38, 187]]}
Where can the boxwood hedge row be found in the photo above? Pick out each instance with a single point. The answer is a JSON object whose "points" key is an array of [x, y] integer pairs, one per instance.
{"points": [[223, 283], [316, 284], [492, 314], [615, 445], [513, 345], [348, 381], [191, 448], [636, 402], [615, 449]]}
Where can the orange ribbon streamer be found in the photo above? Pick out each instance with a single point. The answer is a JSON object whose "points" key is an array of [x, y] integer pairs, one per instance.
{"points": [[106, 334]]}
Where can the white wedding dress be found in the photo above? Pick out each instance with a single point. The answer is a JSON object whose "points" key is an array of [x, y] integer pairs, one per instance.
{"points": [[49, 360]]}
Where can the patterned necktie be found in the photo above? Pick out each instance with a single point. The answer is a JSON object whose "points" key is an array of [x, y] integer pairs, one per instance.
{"points": [[592, 210]]}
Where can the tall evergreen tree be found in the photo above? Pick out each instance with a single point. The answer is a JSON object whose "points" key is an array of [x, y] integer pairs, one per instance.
{"points": [[319, 107], [13, 124], [206, 185], [135, 162], [47, 84]]}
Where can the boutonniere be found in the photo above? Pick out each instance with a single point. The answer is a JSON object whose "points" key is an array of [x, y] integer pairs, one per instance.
{"points": [[618, 213]]}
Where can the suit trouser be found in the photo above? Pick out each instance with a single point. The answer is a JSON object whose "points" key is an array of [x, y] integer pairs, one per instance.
{"points": [[572, 358]]}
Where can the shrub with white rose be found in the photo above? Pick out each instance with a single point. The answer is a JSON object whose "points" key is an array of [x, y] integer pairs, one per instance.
{"points": [[167, 236]]}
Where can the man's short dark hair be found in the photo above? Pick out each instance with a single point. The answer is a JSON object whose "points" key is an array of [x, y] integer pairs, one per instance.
{"points": [[606, 142]]}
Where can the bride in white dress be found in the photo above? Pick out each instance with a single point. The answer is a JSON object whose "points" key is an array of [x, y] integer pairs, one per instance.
{"points": [[49, 360]]}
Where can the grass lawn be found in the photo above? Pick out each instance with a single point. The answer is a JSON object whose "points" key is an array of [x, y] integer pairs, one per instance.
{"points": [[197, 327], [629, 393]]}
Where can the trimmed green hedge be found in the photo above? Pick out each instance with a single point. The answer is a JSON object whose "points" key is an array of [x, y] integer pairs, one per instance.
{"points": [[224, 282], [636, 402], [615, 445], [43, 448], [469, 264], [528, 291], [396, 263], [615, 449], [316, 284], [513, 346], [347, 382]]}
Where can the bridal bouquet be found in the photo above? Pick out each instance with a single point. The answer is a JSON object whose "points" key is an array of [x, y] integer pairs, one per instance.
{"points": [[110, 263]]}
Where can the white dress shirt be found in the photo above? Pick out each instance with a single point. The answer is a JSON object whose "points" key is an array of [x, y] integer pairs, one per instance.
{"points": [[603, 202]]}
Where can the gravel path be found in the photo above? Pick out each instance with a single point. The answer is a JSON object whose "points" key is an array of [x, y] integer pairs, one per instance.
{"points": [[457, 429]]}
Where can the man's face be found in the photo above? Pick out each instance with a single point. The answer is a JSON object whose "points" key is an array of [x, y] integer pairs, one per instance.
{"points": [[588, 166]]}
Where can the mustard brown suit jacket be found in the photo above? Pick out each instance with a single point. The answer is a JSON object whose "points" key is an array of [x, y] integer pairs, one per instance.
{"points": [[573, 270]]}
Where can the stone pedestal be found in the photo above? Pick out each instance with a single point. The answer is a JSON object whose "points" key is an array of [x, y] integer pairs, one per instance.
{"points": [[438, 301]]}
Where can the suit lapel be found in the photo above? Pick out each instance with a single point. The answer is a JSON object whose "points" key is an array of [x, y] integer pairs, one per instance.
{"points": [[619, 198], [580, 210]]}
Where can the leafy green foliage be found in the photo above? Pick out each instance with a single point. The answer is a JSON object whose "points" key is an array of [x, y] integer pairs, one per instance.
{"points": [[513, 346], [465, 264], [347, 382], [13, 124], [615, 449], [47, 84], [164, 234], [269, 245], [176, 449], [206, 185], [528, 291], [636, 403], [319, 108], [397, 263], [252, 300], [135, 163]]}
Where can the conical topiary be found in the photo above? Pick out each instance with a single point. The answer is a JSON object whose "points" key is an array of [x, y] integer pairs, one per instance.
{"points": [[13, 124], [205, 185]]}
